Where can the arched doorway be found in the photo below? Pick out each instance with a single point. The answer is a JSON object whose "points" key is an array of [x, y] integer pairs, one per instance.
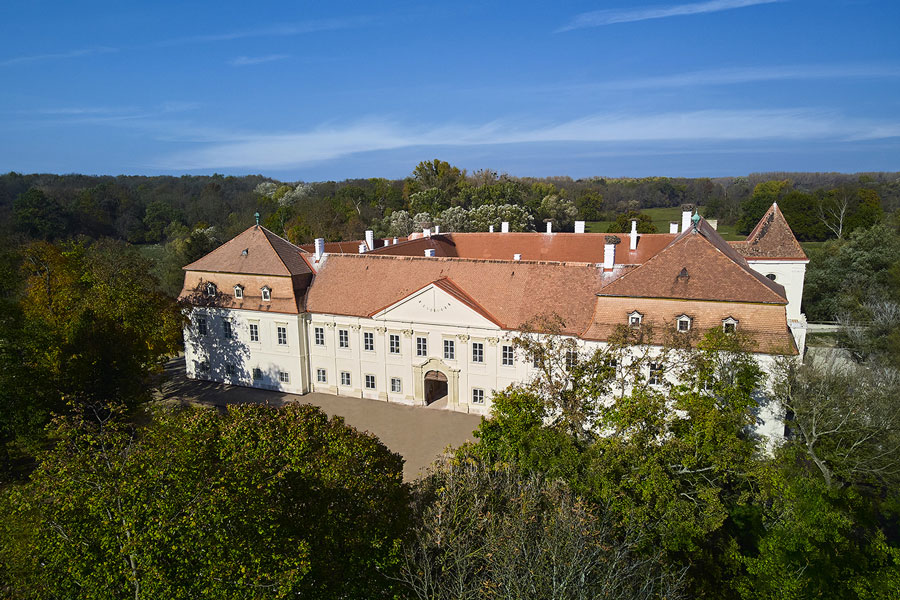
{"points": [[435, 387]]}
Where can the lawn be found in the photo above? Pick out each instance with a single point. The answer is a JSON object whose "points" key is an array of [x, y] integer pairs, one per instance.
{"points": [[661, 218]]}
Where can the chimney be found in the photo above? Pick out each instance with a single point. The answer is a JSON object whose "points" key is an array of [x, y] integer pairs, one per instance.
{"points": [[362, 248], [685, 218], [426, 232], [387, 241], [395, 240], [491, 229], [320, 248], [549, 226], [437, 229], [517, 257], [673, 226], [634, 235], [609, 256], [504, 227], [429, 252], [579, 226], [714, 223], [370, 239]]}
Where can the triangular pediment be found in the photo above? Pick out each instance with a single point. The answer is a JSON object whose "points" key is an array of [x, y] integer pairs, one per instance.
{"points": [[438, 303]]}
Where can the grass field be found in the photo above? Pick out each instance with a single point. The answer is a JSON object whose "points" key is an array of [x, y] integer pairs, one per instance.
{"points": [[661, 218]]}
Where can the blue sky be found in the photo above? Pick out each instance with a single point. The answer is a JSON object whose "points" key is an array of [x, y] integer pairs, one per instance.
{"points": [[333, 90]]}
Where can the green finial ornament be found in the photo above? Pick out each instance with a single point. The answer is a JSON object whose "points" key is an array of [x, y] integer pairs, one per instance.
{"points": [[696, 219], [257, 219]]}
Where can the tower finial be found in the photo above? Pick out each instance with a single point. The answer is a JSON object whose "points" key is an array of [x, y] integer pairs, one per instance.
{"points": [[257, 219], [696, 220]]}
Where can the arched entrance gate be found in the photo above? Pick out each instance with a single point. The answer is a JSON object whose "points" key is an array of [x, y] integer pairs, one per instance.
{"points": [[434, 381]]}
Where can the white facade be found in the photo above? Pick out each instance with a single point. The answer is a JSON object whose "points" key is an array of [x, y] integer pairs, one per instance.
{"points": [[790, 274]]}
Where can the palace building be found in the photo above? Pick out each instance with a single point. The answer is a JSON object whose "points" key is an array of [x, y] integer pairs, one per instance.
{"points": [[430, 319]]}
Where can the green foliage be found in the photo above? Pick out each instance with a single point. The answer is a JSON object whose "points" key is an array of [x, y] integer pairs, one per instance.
{"points": [[519, 219], [764, 194], [623, 223], [255, 503], [38, 216], [560, 211]]}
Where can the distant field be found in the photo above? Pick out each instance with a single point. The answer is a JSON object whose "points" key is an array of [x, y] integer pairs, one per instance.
{"points": [[661, 218]]}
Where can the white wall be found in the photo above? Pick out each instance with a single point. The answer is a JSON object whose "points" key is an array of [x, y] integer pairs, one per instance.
{"points": [[790, 274]]}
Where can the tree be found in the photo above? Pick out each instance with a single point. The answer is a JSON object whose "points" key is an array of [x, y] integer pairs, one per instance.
{"points": [[560, 211], [764, 194], [435, 173], [483, 217], [486, 531], [399, 223], [590, 206], [254, 503], [623, 223], [455, 218], [39, 216]]}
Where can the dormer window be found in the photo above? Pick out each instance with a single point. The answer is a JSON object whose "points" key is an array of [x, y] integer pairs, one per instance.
{"points": [[635, 319], [729, 325], [211, 289], [238, 292], [683, 323], [771, 276], [266, 294]]}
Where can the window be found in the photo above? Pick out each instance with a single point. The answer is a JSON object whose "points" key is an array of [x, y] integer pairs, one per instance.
{"points": [[729, 325], [282, 335], [684, 323], [396, 385], [266, 294], [203, 367], [345, 378], [656, 374], [612, 363], [449, 350], [229, 370], [226, 329], [343, 338], [634, 319], [320, 336], [257, 373], [370, 382], [477, 396], [254, 332], [421, 346], [394, 344], [571, 359], [321, 376], [238, 292], [477, 352], [771, 276], [201, 325], [284, 377], [507, 356], [536, 361], [368, 341], [211, 289]]}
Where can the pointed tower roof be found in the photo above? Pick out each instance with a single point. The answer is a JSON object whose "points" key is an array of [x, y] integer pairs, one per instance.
{"points": [[697, 265], [772, 238], [256, 251]]}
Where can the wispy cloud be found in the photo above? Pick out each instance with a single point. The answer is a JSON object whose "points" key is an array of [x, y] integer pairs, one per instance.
{"points": [[336, 141], [599, 18], [18, 60], [282, 30], [243, 61]]}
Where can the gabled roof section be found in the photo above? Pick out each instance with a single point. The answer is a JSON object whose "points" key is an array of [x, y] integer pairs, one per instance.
{"points": [[772, 238], [256, 251], [697, 265], [457, 292]]}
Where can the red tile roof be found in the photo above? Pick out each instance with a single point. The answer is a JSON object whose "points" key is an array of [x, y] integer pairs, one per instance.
{"points": [[255, 251], [772, 238]]}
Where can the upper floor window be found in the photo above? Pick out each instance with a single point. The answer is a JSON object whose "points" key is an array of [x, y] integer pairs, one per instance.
{"points": [[421, 346], [319, 333], [266, 294], [394, 344], [238, 292], [368, 341], [201, 325], [656, 374], [282, 335], [226, 329], [635, 319], [507, 356], [729, 325], [254, 332], [477, 352], [683, 323], [211, 289], [571, 359], [343, 338]]}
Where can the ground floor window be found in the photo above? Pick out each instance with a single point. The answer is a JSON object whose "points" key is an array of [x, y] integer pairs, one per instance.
{"points": [[257, 373], [370, 382], [229, 370], [656, 374], [321, 377], [345, 378], [477, 396], [203, 367], [284, 377], [396, 385]]}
